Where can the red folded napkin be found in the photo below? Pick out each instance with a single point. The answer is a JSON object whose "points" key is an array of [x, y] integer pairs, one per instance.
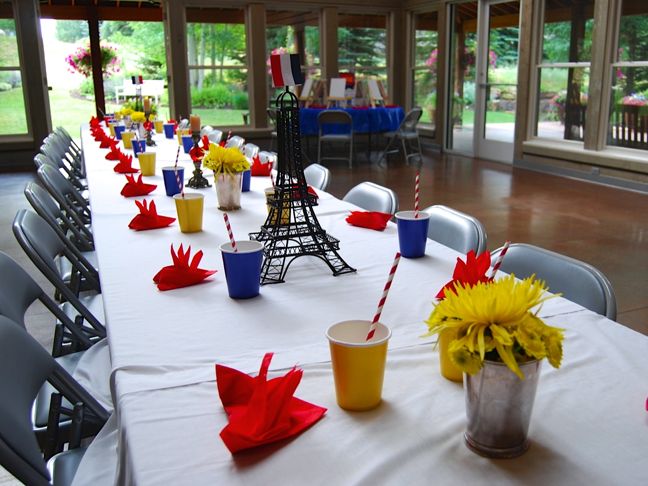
{"points": [[148, 218], [125, 164], [468, 273], [197, 152], [262, 411], [258, 168], [94, 122], [135, 187], [369, 219], [114, 153], [181, 273]]}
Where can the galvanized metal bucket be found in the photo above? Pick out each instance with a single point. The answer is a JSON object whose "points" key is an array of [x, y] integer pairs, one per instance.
{"points": [[498, 407]]}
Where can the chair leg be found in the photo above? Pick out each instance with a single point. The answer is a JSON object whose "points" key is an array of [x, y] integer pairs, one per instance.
{"points": [[405, 150], [319, 150], [351, 153]]}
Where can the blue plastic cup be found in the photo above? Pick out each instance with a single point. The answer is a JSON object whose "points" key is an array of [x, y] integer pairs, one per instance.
{"points": [[169, 130], [247, 177], [412, 233], [139, 146], [187, 143], [119, 129], [171, 180], [243, 268]]}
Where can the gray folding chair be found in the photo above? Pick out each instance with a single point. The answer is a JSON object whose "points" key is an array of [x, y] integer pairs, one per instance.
{"points": [[49, 210], [206, 130], [67, 196], [25, 368], [408, 135], [42, 245], [250, 150], [214, 135], [49, 156], [266, 157], [235, 142], [373, 197], [73, 149], [578, 281], [317, 176], [456, 230], [18, 291], [337, 118]]}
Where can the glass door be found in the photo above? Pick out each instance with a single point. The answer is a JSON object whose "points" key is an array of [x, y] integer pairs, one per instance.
{"points": [[497, 67]]}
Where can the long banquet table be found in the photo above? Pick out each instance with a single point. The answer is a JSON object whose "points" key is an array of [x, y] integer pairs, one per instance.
{"points": [[589, 425]]}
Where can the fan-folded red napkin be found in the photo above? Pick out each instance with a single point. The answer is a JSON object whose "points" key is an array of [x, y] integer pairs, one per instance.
{"points": [[113, 154], [468, 273], [258, 168], [369, 219], [108, 142], [262, 411], [181, 273], [125, 164], [148, 218], [197, 152], [135, 187], [95, 122]]}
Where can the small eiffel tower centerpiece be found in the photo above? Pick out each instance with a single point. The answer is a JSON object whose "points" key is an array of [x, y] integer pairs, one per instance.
{"points": [[291, 229]]}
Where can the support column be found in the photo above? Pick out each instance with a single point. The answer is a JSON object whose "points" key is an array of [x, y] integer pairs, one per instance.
{"points": [[329, 42], [95, 53], [175, 28], [255, 29], [32, 61], [443, 89], [526, 65], [397, 63]]}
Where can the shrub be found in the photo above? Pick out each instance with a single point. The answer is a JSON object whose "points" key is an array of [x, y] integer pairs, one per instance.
{"points": [[5, 86], [240, 100], [86, 88], [218, 96]]}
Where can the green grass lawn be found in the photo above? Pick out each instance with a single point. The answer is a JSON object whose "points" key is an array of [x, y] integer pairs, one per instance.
{"points": [[12, 112], [491, 117], [220, 116]]}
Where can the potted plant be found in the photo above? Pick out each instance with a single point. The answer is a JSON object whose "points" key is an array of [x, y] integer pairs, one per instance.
{"points": [[498, 341], [228, 165]]}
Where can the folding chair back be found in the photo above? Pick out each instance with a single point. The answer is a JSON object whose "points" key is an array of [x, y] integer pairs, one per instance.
{"points": [[235, 141], [578, 281], [373, 197], [67, 196], [318, 176], [250, 150], [456, 230]]}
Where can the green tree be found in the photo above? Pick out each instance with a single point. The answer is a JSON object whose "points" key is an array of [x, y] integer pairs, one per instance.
{"points": [[71, 30], [362, 47]]}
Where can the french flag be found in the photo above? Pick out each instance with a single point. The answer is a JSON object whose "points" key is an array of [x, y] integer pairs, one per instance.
{"points": [[286, 70], [137, 79]]}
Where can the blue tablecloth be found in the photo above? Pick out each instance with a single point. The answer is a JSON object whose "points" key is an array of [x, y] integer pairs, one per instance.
{"points": [[370, 120]]}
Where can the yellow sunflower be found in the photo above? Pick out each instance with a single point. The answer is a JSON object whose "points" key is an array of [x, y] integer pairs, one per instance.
{"points": [[497, 316]]}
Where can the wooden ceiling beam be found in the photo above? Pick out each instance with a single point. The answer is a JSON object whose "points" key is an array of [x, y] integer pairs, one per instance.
{"points": [[69, 12]]}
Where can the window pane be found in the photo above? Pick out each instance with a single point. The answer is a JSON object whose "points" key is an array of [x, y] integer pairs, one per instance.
{"points": [[562, 103], [219, 88], [568, 31], [362, 43], [12, 104], [633, 31], [139, 50], [425, 45], [224, 102], [629, 111], [8, 44], [425, 94]]}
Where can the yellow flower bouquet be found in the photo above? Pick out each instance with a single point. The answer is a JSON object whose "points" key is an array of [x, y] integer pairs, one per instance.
{"points": [[225, 160], [138, 117], [495, 321]]}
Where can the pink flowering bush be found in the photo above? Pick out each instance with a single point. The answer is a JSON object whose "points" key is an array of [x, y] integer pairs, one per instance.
{"points": [[80, 61]]}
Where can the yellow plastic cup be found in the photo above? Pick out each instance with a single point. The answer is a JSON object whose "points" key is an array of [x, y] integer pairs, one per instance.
{"points": [[111, 127], [181, 132], [448, 369], [147, 163], [285, 213], [127, 138], [358, 364], [159, 126], [190, 211]]}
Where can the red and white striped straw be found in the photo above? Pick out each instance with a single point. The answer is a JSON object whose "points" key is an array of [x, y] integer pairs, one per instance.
{"points": [[392, 271], [416, 195], [177, 174], [229, 232], [500, 258]]}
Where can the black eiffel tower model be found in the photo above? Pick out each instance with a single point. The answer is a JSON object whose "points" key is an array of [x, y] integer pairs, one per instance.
{"points": [[291, 229]]}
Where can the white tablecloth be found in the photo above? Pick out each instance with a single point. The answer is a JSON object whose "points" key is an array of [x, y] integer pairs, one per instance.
{"points": [[588, 424]]}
